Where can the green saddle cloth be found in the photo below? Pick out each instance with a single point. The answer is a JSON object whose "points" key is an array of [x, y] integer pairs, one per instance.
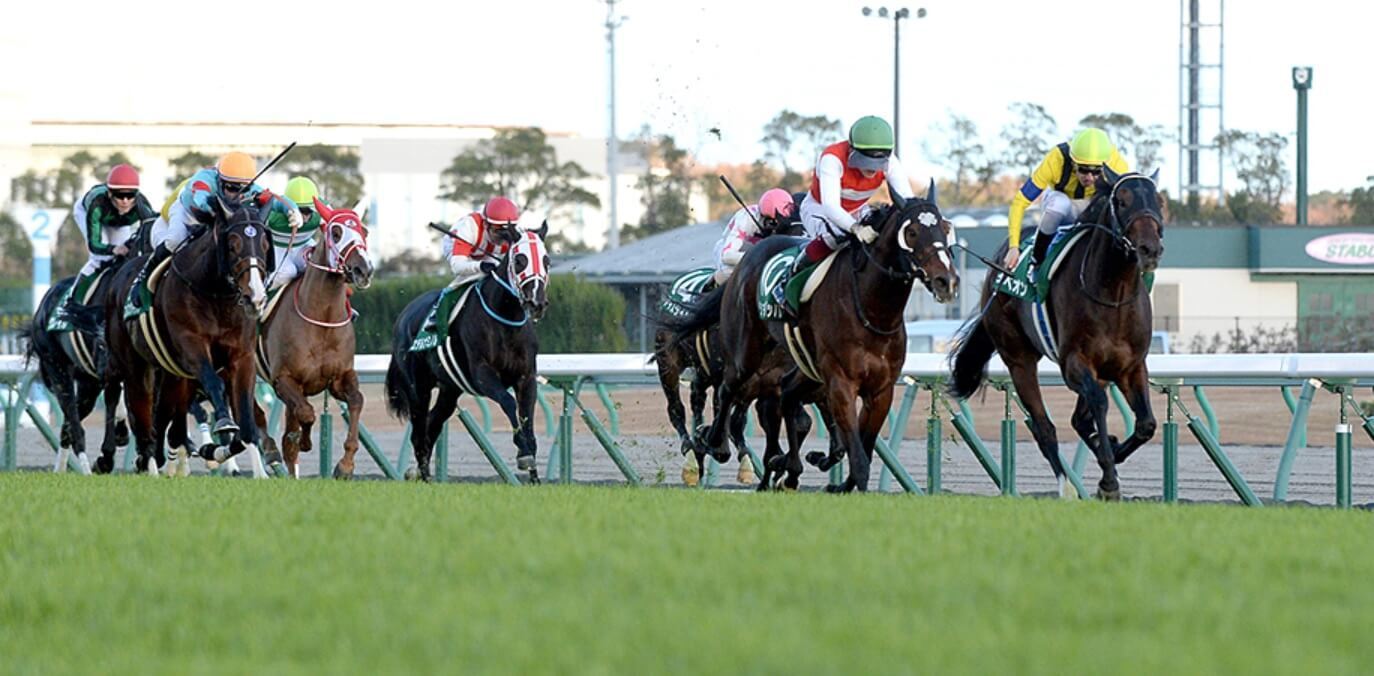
{"points": [[1020, 283], [82, 289], [773, 272], [685, 292], [434, 332]]}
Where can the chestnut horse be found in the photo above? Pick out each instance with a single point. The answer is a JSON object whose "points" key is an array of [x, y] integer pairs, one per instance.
{"points": [[199, 331], [307, 344], [1100, 312]]}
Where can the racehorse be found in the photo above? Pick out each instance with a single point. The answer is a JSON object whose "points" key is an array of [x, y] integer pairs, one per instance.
{"points": [[71, 363], [199, 330], [1100, 313], [306, 345], [699, 352], [825, 355], [491, 346]]}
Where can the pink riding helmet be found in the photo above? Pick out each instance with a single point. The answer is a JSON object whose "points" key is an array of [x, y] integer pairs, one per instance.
{"points": [[776, 203]]}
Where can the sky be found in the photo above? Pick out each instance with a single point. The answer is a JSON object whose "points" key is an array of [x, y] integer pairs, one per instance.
{"points": [[688, 66]]}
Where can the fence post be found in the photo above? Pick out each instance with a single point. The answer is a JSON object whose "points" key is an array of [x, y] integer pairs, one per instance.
{"points": [[326, 441], [484, 444], [1008, 445], [1343, 433], [441, 455], [11, 459], [1206, 411], [1170, 447], [1297, 431], [933, 445], [612, 414], [898, 431], [1292, 404]]}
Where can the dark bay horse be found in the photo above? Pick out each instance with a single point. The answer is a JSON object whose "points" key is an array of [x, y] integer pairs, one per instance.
{"points": [[1100, 311], [699, 351], [850, 336], [198, 332], [491, 348], [72, 363], [307, 344]]}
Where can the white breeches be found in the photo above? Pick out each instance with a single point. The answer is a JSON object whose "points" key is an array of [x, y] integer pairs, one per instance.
{"points": [[817, 224], [1060, 209]]}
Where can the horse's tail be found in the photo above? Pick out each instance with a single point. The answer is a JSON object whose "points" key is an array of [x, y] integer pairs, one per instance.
{"points": [[398, 387], [969, 359], [700, 316], [26, 335]]}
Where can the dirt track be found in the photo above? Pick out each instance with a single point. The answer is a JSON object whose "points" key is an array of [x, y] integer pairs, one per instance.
{"points": [[1253, 423]]}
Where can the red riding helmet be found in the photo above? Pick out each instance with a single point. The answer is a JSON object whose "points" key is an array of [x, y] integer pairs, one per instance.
{"points": [[500, 211], [122, 177]]}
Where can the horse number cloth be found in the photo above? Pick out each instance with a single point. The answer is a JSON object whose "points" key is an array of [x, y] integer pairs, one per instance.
{"points": [[686, 291], [432, 331]]}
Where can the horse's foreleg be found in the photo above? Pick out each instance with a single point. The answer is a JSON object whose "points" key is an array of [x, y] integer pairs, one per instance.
{"points": [[738, 420], [526, 397], [224, 428], [169, 423], [420, 442], [111, 443], [1136, 384], [488, 384], [669, 372], [139, 402], [1090, 421], [345, 389], [242, 380], [300, 415], [840, 397], [871, 420], [770, 422], [798, 426]]}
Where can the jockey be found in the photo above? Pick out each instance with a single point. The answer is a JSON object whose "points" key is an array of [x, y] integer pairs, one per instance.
{"points": [[108, 215], [1068, 178], [749, 225], [479, 238], [289, 251], [847, 174], [229, 182]]}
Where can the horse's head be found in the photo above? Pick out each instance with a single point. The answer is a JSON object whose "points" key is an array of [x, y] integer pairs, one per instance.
{"points": [[241, 245], [345, 240], [1135, 216], [924, 238], [527, 270]]}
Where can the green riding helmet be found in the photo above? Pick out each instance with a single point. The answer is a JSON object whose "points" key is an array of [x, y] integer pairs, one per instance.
{"points": [[302, 192], [871, 132]]}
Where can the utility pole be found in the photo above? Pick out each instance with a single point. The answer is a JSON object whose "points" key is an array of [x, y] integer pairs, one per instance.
{"points": [[1302, 81], [897, 16], [612, 143]]}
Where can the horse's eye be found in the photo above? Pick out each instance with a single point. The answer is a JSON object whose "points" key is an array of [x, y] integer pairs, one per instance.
{"points": [[521, 260]]}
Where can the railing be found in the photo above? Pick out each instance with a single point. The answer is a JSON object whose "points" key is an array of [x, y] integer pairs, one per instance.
{"points": [[1169, 374]]}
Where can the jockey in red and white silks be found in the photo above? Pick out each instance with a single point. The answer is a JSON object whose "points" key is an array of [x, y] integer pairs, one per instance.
{"points": [[478, 239], [748, 226]]}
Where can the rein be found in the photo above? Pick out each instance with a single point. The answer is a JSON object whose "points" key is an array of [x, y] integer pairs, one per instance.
{"points": [[525, 315], [915, 271], [1120, 240]]}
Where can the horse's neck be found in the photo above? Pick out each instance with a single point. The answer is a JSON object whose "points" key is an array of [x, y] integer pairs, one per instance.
{"points": [[500, 300], [1107, 267], [882, 295], [197, 263], [322, 290]]}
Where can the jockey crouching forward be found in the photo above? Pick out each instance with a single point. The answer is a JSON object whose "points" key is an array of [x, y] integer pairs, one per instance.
{"points": [[108, 215], [231, 182], [288, 247], [476, 242], [847, 175], [1067, 177], [774, 211]]}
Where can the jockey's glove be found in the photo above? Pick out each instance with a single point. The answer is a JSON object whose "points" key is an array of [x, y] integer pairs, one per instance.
{"points": [[264, 197], [866, 233], [488, 266]]}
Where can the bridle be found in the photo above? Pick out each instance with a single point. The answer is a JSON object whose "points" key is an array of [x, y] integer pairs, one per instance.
{"points": [[1119, 239], [336, 257], [534, 273], [244, 266], [911, 262]]}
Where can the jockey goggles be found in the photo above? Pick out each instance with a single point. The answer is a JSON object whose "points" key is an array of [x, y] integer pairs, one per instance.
{"points": [[869, 159]]}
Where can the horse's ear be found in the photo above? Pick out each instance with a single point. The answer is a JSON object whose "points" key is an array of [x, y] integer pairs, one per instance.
{"points": [[1111, 176], [1154, 176], [323, 209], [930, 192], [543, 230]]}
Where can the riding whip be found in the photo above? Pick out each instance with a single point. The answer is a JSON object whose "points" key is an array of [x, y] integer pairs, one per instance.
{"points": [[734, 194], [274, 161]]}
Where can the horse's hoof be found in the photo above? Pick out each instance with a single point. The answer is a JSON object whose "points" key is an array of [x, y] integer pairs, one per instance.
{"points": [[815, 458], [789, 487], [121, 433], [340, 474], [103, 465], [691, 476], [834, 488], [525, 463], [1109, 496], [745, 475], [534, 477], [412, 474], [777, 463]]}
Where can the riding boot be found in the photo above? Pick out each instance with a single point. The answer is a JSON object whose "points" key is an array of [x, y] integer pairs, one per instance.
{"points": [[139, 297], [1042, 247], [73, 301]]}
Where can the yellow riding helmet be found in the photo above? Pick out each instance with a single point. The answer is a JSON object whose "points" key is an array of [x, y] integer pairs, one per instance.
{"points": [[1090, 148], [237, 167], [302, 191]]}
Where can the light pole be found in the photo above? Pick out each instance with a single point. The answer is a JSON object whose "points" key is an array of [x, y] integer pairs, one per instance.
{"points": [[897, 16], [1302, 81], [613, 22]]}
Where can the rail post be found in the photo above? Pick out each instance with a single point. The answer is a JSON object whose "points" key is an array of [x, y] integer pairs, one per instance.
{"points": [[897, 430], [1170, 445], [1297, 438], [483, 443], [933, 445], [1008, 445], [1292, 404], [326, 440], [1343, 434], [441, 455]]}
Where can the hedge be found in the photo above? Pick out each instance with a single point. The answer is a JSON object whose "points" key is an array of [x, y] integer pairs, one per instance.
{"points": [[582, 316]]}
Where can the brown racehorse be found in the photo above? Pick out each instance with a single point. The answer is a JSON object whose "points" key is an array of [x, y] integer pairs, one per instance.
{"points": [[851, 360], [199, 330], [699, 352], [1100, 311], [307, 345]]}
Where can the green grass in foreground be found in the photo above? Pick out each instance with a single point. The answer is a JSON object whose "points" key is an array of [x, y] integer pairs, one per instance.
{"points": [[138, 575]]}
